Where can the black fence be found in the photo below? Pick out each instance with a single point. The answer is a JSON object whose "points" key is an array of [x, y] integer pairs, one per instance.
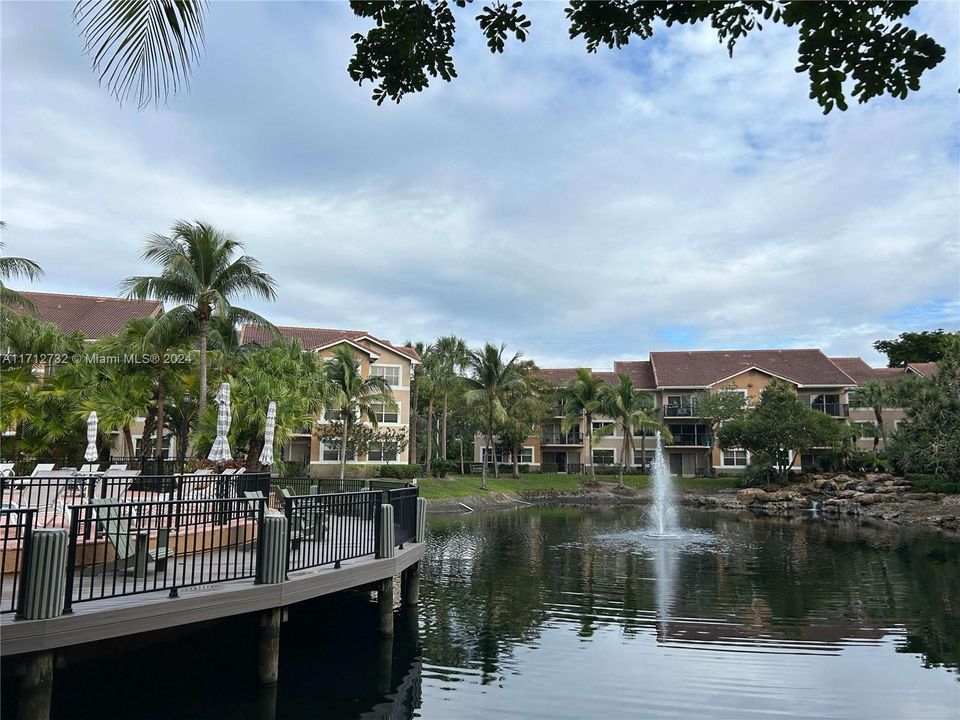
{"points": [[327, 529], [127, 548], [16, 527], [147, 466], [313, 486], [404, 501], [53, 495]]}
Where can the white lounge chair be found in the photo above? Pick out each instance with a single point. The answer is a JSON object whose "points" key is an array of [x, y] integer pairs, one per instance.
{"points": [[42, 468], [89, 469], [115, 467], [6, 469]]}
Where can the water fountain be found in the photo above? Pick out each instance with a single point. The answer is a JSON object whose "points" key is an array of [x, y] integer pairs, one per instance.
{"points": [[663, 515]]}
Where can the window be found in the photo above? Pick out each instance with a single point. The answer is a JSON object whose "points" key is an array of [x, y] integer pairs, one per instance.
{"points": [[604, 456], [382, 452], [498, 453], [599, 424], [385, 414], [390, 373], [331, 453], [734, 458], [525, 456], [638, 457], [138, 445]]}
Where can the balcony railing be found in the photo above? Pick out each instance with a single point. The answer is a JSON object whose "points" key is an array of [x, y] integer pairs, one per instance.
{"points": [[690, 439], [831, 409], [571, 438], [679, 411]]}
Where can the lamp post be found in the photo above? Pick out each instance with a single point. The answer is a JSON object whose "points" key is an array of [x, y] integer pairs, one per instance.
{"points": [[184, 429]]}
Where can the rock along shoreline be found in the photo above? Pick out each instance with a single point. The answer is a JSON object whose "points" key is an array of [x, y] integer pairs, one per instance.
{"points": [[874, 496]]}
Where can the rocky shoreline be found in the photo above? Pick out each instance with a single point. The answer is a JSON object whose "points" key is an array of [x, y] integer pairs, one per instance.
{"points": [[875, 496]]}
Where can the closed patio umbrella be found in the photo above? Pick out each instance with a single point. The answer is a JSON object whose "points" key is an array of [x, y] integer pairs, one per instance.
{"points": [[90, 455], [220, 452], [266, 455]]}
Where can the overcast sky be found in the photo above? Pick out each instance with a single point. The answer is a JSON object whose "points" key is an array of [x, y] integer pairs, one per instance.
{"points": [[581, 208]]}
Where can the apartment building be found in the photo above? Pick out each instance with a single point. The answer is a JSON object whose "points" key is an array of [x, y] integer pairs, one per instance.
{"points": [[378, 357], [675, 378]]}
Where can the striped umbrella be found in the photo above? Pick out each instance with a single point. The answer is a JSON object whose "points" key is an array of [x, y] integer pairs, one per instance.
{"points": [[220, 452], [91, 452], [266, 455]]}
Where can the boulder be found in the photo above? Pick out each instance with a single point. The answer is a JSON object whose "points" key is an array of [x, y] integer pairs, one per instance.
{"points": [[869, 499], [752, 495], [847, 494]]}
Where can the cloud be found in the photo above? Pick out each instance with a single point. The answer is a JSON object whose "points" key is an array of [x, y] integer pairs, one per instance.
{"points": [[579, 207]]}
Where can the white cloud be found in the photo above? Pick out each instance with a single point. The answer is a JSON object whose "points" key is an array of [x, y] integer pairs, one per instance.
{"points": [[580, 207]]}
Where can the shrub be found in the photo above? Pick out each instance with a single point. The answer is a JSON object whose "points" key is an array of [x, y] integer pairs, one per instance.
{"points": [[933, 483], [399, 471], [440, 467]]}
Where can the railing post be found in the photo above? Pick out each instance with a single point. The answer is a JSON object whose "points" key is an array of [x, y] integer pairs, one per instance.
{"points": [[273, 549], [71, 559], [385, 532], [42, 592], [421, 532]]}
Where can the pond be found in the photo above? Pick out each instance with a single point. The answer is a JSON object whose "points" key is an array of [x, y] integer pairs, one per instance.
{"points": [[568, 612]]}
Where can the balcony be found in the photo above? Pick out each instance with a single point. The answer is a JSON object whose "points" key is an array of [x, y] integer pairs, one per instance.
{"points": [[690, 440], [682, 410], [831, 408], [554, 438]]}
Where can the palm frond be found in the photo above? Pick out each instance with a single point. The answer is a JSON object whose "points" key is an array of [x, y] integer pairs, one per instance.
{"points": [[142, 49]]}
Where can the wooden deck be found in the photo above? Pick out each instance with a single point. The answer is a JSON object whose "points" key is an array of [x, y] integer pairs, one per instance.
{"points": [[131, 614]]}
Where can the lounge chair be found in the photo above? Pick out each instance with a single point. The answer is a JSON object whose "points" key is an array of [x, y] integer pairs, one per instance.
{"points": [[45, 497], [130, 552], [42, 468], [307, 522], [89, 469], [117, 467], [6, 469]]}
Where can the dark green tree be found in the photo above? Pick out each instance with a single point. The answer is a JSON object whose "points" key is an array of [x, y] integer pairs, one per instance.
{"points": [[915, 347], [778, 425]]}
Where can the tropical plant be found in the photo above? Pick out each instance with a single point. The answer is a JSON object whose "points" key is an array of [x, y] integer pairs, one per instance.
{"points": [[14, 267], [353, 397], [453, 355], [525, 406], [716, 408], [581, 399], [915, 347], [429, 381], [203, 270], [632, 412], [415, 371], [492, 375], [877, 396]]}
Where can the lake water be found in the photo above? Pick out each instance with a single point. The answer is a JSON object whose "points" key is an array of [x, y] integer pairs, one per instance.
{"points": [[574, 613]]}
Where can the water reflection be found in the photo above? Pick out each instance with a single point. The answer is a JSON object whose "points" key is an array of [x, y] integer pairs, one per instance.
{"points": [[835, 618]]}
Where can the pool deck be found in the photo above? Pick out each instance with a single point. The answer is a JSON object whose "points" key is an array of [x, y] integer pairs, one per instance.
{"points": [[132, 614]]}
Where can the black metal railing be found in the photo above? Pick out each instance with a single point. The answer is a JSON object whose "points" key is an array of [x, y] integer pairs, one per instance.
{"points": [[689, 439], [681, 410], [327, 529], [16, 527], [404, 501], [52, 495], [127, 548], [554, 438], [832, 409]]}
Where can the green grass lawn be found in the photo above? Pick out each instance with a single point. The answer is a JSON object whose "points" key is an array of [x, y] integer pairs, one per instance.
{"points": [[456, 486]]}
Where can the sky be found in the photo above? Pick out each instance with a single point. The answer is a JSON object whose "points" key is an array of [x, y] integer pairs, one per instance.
{"points": [[579, 207]]}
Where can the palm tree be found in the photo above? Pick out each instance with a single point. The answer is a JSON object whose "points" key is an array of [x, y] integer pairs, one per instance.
{"points": [[492, 377], [199, 271], [353, 396], [876, 395], [581, 401], [119, 400], [429, 381], [631, 411], [453, 354], [14, 267], [415, 370]]}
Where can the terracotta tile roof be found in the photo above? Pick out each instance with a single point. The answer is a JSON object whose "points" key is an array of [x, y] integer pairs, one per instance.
{"points": [[640, 371], [862, 373], [706, 367], [926, 369], [313, 338], [89, 314], [557, 376]]}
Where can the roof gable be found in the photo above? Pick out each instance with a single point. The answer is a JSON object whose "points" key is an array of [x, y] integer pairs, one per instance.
{"points": [[320, 338], [704, 368]]}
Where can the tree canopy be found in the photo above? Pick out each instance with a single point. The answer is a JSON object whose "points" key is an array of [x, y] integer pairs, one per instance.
{"points": [[145, 49], [915, 347]]}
